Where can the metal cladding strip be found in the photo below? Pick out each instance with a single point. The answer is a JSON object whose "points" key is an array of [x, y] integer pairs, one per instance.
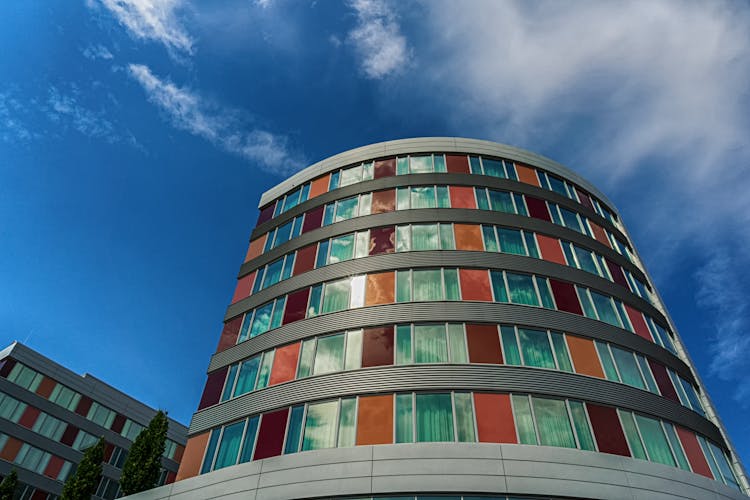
{"points": [[436, 145], [432, 259], [452, 377], [472, 180], [468, 312]]}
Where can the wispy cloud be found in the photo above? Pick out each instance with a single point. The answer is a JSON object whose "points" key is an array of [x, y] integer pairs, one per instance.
{"points": [[98, 51], [188, 111], [377, 38], [13, 127]]}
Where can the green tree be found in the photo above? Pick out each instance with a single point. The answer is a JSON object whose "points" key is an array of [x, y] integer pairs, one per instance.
{"points": [[9, 485], [83, 484], [143, 465]]}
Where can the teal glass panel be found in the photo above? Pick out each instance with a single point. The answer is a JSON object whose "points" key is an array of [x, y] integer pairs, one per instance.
{"points": [[568, 251], [273, 273], [247, 375], [229, 447], [283, 233], [402, 166], [210, 450], [695, 402], [607, 363], [353, 358], [709, 457], [475, 167], [586, 260], [294, 431], [490, 240], [420, 164], [447, 242], [305, 193], [440, 163], [403, 344], [510, 169], [561, 352], [247, 444], [520, 205], [328, 214], [334, 182], [316, 294], [346, 209], [227, 393], [628, 368], [402, 198], [342, 248], [297, 228], [605, 309], [306, 359], [646, 371], [288, 266], [265, 369], [581, 424], [556, 185], [261, 320], [623, 316], [535, 348], [501, 201], [423, 197], [403, 286], [521, 287], [511, 241], [425, 237], [320, 426], [544, 292], [524, 420], [257, 285], [482, 201], [336, 296], [347, 431], [430, 344], [434, 418], [493, 168], [631, 434], [428, 284], [451, 284], [682, 462], [403, 238], [404, 418], [368, 169], [278, 312], [329, 356], [655, 440], [457, 343], [443, 198], [464, 417], [511, 354], [723, 463], [588, 307], [322, 258], [553, 423], [498, 286], [555, 214], [570, 220]]}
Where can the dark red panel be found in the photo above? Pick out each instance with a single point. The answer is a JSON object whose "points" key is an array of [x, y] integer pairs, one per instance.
{"points": [[69, 436], [457, 164], [171, 476], [385, 168], [212, 390], [537, 208], [607, 430], [305, 259], [84, 405], [296, 305], [584, 197], [617, 274], [108, 449], [29, 417], [229, 333], [662, 380], [484, 344], [6, 366], [383, 201], [382, 240], [54, 466], [565, 297], [377, 346], [313, 219], [118, 423], [266, 213], [39, 495], [271, 434]]}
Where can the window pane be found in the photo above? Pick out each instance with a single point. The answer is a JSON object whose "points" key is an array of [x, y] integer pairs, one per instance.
{"points": [[404, 419], [322, 257], [334, 183], [501, 201], [420, 164], [510, 346], [342, 248], [403, 286], [261, 320], [365, 204], [464, 417], [278, 312], [457, 342], [561, 352], [440, 163], [493, 168], [350, 175], [425, 237], [655, 440], [524, 421], [320, 426], [522, 289], [542, 285], [210, 451], [553, 423], [402, 166], [531, 245], [535, 348], [520, 206], [346, 209], [315, 295], [586, 260], [498, 286], [482, 202], [306, 358], [230, 445], [646, 371], [434, 418], [490, 241], [403, 238], [403, 344], [581, 424], [347, 432], [571, 220], [430, 344], [265, 370], [353, 359], [249, 441], [423, 197], [428, 284], [627, 367], [328, 214], [273, 273], [676, 447], [474, 165], [357, 286], [443, 197], [336, 296], [631, 433], [451, 284], [402, 198], [229, 383], [605, 309], [362, 244], [607, 363], [447, 241], [283, 234], [329, 356], [511, 241]]}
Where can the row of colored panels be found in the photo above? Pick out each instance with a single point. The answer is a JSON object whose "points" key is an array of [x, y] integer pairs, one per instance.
{"points": [[432, 163], [436, 236], [455, 343], [442, 284], [50, 389], [435, 196], [34, 459], [456, 417]]}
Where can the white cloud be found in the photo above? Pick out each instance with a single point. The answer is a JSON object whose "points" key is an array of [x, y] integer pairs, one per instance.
{"points": [[98, 51], [188, 111], [12, 124], [155, 20], [377, 38]]}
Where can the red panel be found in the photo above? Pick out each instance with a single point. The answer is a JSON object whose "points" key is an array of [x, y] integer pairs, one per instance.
{"points": [[607, 430], [284, 364], [694, 453], [108, 449], [266, 213], [475, 285], [39, 495], [212, 390], [662, 380], [639, 324], [384, 168], [11, 449], [256, 247], [599, 234], [118, 423], [229, 333], [29, 417], [584, 197], [617, 274], [54, 466], [551, 249], [171, 476], [382, 240], [271, 434], [457, 164], [296, 305], [383, 201], [565, 297], [46, 387], [313, 219], [494, 418], [377, 346], [69, 436], [84, 405], [537, 208], [6, 366], [462, 197], [244, 287], [484, 344], [305, 259]]}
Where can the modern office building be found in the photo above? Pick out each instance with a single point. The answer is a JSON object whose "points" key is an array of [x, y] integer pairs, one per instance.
{"points": [[446, 316], [49, 415]]}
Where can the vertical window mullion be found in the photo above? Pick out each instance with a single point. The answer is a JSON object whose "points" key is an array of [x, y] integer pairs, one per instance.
{"points": [[455, 420]]}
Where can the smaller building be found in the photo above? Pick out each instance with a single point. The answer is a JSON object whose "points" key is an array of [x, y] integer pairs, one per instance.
{"points": [[49, 415]]}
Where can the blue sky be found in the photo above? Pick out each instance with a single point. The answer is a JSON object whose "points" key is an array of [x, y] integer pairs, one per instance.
{"points": [[137, 135]]}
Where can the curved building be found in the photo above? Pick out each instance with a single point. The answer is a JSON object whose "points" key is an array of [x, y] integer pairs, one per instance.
{"points": [[449, 317]]}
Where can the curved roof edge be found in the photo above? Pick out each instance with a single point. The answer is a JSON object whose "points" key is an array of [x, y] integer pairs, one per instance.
{"points": [[420, 144]]}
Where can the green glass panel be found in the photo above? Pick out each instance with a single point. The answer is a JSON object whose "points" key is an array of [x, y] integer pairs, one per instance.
{"points": [[342, 248], [229, 447], [501, 201], [430, 344], [273, 273], [423, 197], [723, 463], [320, 426], [347, 431], [428, 284], [646, 371], [544, 292], [531, 245], [306, 359], [447, 241], [329, 356], [524, 420], [490, 241], [278, 312], [227, 393], [402, 198], [315, 295], [588, 307], [294, 431], [692, 395], [425, 237], [475, 167], [535, 348], [605, 309], [457, 343], [464, 417], [362, 246], [498, 286], [336, 296], [248, 374], [626, 365], [676, 446], [522, 290], [520, 206], [420, 164], [561, 352], [403, 344], [322, 258], [346, 209], [570, 220], [555, 214], [247, 444], [265, 369], [434, 418], [443, 198], [368, 169], [655, 440], [482, 202], [581, 424], [607, 363], [402, 166], [261, 320], [210, 450], [403, 238], [568, 251], [353, 360], [288, 266], [493, 168], [451, 284], [631, 433], [404, 419], [440, 163], [403, 286], [511, 354], [511, 241], [553, 423], [586, 260]]}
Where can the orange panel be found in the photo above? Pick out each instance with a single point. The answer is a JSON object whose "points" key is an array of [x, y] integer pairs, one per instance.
{"points": [[256, 247], [551, 249], [10, 450], [46, 387], [53, 467], [179, 450], [468, 237], [319, 186], [494, 418], [383, 201], [527, 175], [284, 364], [375, 420], [244, 287], [639, 324], [475, 285], [380, 288], [193, 456], [462, 197], [585, 359], [599, 234]]}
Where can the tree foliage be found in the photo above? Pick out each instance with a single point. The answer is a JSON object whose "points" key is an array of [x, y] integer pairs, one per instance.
{"points": [[143, 465], [83, 484], [8, 486]]}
